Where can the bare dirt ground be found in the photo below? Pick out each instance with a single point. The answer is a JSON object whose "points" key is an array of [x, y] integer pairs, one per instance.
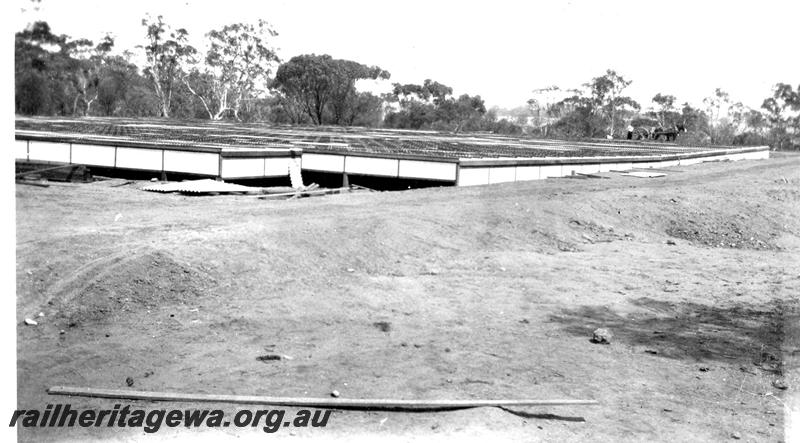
{"points": [[449, 293]]}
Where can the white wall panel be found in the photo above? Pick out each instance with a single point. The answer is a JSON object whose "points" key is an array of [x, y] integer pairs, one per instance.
{"points": [[371, 166], [548, 171], [205, 163], [525, 173], [136, 158], [323, 162], [502, 174], [427, 170], [47, 151], [473, 176], [21, 149], [93, 155], [580, 169], [242, 167], [605, 167], [623, 166], [276, 167]]}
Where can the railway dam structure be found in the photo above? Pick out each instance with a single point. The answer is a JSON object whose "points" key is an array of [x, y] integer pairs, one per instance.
{"points": [[331, 156]]}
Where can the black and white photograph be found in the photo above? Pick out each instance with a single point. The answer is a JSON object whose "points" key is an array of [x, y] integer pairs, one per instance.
{"points": [[402, 221]]}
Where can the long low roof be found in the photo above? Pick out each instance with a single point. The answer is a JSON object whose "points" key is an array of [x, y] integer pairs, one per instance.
{"points": [[334, 140]]}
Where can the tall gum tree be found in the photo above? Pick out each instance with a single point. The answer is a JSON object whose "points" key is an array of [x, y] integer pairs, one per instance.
{"points": [[783, 114], [236, 68], [167, 52], [607, 99]]}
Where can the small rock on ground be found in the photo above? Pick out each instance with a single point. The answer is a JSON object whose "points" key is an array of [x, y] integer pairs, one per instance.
{"points": [[602, 336]]}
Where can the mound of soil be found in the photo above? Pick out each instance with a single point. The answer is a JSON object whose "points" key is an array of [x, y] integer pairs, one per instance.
{"points": [[142, 282]]}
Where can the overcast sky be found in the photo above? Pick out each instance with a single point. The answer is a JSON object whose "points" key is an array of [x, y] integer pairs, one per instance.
{"points": [[499, 49]]}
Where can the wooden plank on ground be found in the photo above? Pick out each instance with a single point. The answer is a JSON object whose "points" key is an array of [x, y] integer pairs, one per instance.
{"points": [[304, 193], [330, 403]]}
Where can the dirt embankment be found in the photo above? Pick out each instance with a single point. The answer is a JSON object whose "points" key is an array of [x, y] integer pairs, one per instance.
{"points": [[485, 292]]}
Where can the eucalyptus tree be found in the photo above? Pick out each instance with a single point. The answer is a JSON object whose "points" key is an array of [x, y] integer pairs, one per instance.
{"points": [[236, 67], [167, 53]]}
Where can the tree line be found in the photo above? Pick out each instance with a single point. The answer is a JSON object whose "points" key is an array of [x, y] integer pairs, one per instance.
{"points": [[600, 108], [240, 76]]}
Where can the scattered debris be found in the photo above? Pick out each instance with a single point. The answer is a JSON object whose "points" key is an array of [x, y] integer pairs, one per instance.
{"points": [[602, 336], [309, 192], [67, 172], [384, 326], [780, 384], [769, 363], [362, 188]]}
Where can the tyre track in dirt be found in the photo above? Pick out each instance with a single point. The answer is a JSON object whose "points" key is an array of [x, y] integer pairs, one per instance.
{"points": [[66, 289]]}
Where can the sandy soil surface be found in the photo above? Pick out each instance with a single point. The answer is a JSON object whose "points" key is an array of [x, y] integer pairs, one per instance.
{"points": [[448, 293]]}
